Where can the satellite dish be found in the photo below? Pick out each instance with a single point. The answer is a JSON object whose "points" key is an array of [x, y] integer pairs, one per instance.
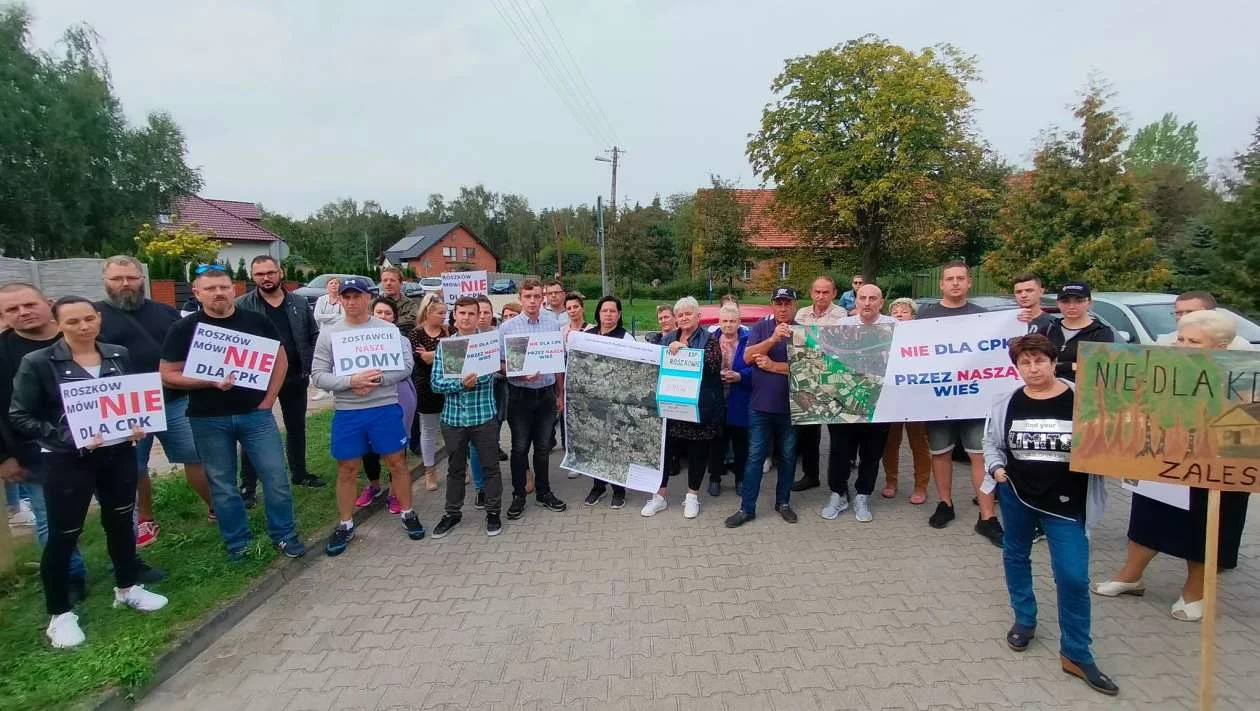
{"points": [[278, 250]]}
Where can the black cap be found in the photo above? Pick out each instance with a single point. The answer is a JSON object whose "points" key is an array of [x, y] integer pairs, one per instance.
{"points": [[353, 284], [784, 292], [1074, 290]]}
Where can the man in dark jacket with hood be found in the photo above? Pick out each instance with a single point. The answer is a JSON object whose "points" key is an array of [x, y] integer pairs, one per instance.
{"points": [[1077, 325]]}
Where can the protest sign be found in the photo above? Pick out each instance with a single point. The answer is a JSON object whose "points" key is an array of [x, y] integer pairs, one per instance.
{"points": [[934, 369], [533, 353], [360, 349], [678, 385], [217, 352], [112, 406], [612, 432], [457, 284], [477, 354]]}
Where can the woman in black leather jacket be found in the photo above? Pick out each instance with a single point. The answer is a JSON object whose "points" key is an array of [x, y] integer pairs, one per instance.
{"points": [[74, 475]]}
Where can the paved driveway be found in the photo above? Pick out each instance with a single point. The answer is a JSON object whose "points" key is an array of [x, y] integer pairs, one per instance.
{"points": [[601, 609]]}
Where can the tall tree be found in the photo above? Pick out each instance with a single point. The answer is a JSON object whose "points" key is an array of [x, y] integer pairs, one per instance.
{"points": [[869, 143], [720, 232], [1235, 255], [1078, 214], [1167, 142]]}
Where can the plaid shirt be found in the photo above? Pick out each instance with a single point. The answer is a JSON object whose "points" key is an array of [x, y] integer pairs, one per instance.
{"points": [[546, 323], [463, 407]]}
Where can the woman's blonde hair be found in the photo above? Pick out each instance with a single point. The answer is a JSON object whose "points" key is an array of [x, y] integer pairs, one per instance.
{"points": [[728, 309], [1219, 325], [906, 302]]}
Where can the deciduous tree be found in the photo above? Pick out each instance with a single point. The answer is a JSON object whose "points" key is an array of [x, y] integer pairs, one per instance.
{"points": [[720, 232]]}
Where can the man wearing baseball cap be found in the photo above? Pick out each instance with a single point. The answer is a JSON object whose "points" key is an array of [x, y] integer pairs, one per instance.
{"points": [[769, 418], [1075, 326]]}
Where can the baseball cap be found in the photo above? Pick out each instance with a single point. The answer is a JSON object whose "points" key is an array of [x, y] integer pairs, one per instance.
{"points": [[353, 284], [1073, 290], [784, 292]]}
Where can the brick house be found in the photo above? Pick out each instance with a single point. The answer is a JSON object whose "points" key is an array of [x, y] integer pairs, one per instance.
{"points": [[232, 222], [786, 258], [430, 250]]}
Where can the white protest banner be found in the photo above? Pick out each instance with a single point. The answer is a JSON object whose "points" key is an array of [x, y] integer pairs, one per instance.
{"points": [[919, 371], [360, 349], [457, 284], [217, 352], [678, 388], [477, 354], [533, 353], [112, 406]]}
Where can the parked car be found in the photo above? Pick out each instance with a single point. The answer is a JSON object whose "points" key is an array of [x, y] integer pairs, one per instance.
{"points": [[431, 285], [1141, 317], [503, 286], [748, 313], [318, 286]]}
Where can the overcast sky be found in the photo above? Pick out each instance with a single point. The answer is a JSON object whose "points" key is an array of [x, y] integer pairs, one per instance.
{"points": [[293, 104]]}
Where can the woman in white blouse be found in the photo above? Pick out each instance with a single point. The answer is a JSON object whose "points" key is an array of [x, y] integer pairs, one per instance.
{"points": [[328, 306]]}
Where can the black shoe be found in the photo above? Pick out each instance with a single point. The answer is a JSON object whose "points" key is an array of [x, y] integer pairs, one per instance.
{"points": [[594, 497], [444, 526], [739, 518], [309, 480], [715, 487], [76, 590], [1091, 674], [493, 525], [337, 542], [292, 548], [503, 456], [249, 498], [975, 501], [517, 508], [1020, 637], [146, 575], [618, 501], [991, 529], [942, 516], [411, 522], [479, 502], [785, 510], [805, 485], [549, 501]]}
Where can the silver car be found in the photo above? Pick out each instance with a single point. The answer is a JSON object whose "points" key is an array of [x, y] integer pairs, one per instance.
{"points": [[1141, 317]]}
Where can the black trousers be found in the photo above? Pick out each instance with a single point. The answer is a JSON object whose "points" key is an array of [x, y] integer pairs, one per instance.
{"points": [[600, 486], [809, 447], [532, 419], [292, 399], [696, 452], [459, 441], [110, 474], [865, 441], [735, 438]]}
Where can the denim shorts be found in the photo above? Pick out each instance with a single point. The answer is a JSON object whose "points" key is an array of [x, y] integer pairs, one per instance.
{"points": [[177, 440], [942, 436], [375, 429]]}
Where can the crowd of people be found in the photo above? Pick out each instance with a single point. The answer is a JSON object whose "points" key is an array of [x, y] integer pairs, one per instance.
{"points": [[744, 427]]}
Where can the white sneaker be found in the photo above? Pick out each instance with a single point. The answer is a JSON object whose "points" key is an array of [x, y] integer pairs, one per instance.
{"points": [[63, 630], [765, 468], [836, 504], [655, 505], [862, 507], [23, 516], [691, 506], [139, 598]]}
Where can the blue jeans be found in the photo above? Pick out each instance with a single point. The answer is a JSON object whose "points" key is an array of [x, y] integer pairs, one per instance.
{"points": [[177, 440], [39, 507], [15, 492], [474, 465], [259, 437], [1069, 560], [763, 429]]}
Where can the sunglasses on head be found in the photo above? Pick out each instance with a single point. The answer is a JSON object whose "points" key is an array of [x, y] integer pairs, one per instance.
{"points": [[203, 268]]}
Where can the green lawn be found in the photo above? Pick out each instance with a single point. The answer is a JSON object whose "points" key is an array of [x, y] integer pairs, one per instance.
{"points": [[122, 645], [642, 313]]}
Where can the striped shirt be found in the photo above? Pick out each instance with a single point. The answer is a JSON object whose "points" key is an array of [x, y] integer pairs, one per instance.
{"points": [[545, 323], [463, 407]]}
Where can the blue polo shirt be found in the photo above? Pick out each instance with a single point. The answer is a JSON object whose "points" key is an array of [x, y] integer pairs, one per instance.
{"points": [[769, 390]]}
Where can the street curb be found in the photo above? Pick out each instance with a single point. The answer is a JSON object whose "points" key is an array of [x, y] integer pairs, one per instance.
{"points": [[208, 632]]}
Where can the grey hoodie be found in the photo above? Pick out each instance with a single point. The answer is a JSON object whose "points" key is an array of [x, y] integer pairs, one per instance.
{"points": [[322, 370]]}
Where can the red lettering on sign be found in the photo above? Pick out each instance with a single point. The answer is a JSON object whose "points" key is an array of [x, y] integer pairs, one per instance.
{"points": [[245, 358], [914, 351]]}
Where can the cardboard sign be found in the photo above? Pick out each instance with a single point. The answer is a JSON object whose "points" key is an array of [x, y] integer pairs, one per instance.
{"points": [[360, 349], [111, 407], [457, 284], [533, 353], [1183, 416], [678, 385], [217, 352], [477, 354]]}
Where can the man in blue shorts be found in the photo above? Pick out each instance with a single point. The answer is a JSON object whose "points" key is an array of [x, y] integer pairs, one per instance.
{"points": [[367, 416]]}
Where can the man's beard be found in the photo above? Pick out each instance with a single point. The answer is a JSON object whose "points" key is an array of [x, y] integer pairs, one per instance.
{"points": [[272, 290], [125, 299]]}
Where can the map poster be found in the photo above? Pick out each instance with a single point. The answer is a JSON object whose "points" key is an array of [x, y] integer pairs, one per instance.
{"points": [[477, 354], [1183, 416], [533, 353], [612, 431], [916, 371]]}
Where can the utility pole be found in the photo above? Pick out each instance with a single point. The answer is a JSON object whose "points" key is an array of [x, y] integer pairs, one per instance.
{"points": [[599, 233], [612, 221]]}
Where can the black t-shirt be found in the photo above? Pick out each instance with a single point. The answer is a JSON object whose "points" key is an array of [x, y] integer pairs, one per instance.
{"points": [[13, 348], [1039, 448], [212, 402], [279, 317], [141, 332], [1041, 324]]}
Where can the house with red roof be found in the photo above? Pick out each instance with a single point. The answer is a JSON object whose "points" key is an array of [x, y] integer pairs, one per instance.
{"points": [[233, 222], [784, 250], [429, 250]]}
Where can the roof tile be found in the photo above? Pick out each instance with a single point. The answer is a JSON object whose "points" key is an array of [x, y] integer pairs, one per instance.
{"points": [[228, 225]]}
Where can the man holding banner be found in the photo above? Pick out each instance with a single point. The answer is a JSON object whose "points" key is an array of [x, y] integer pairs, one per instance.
{"points": [[231, 362], [361, 359], [822, 312]]}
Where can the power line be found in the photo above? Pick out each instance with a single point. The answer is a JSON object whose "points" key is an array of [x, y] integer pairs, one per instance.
{"points": [[576, 79], [578, 69]]}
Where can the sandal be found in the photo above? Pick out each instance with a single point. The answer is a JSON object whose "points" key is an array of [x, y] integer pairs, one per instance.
{"points": [[1020, 637], [918, 498], [1187, 611], [889, 492]]}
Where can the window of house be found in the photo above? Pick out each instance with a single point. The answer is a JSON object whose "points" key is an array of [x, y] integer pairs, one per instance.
{"points": [[747, 275], [449, 253], [784, 270], [470, 253], [164, 218]]}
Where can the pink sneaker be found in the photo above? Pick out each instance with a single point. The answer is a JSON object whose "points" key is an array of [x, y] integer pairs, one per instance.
{"points": [[394, 506], [146, 533], [368, 496]]}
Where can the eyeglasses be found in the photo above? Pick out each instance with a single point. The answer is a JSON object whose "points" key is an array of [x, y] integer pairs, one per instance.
{"points": [[266, 275], [203, 268], [124, 279]]}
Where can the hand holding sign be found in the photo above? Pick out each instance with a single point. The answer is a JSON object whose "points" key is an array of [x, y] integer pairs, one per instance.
{"points": [[230, 358], [227, 383]]}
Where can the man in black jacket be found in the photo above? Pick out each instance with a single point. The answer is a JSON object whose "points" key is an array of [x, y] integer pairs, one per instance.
{"points": [[291, 315], [1077, 325]]}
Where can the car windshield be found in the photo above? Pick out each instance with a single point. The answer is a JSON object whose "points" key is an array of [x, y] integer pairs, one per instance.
{"points": [[1249, 330], [1156, 318], [318, 282]]}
